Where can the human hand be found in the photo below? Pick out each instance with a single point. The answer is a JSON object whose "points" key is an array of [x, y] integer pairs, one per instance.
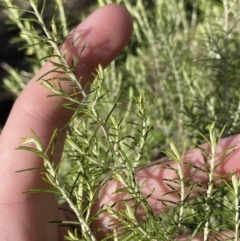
{"points": [[25, 216], [160, 184]]}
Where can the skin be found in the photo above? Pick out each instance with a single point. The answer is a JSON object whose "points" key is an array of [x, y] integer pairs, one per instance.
{"points": [[106, 32]]}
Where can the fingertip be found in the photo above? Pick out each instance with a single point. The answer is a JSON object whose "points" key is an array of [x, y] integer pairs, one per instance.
{"points": [[110, 27]]}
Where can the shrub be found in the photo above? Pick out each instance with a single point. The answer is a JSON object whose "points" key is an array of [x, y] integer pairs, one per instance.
{"points": [[178, 75]]}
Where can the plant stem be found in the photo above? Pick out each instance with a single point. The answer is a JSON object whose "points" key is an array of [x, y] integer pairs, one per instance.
{"points": [[211, 180], [53, 43]]}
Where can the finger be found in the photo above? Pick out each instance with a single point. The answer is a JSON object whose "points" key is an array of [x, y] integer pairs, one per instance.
{"points": [[156, 180], [105, 33]]}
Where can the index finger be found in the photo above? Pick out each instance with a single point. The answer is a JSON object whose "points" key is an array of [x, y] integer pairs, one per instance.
{"points": [[105, 33]]}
